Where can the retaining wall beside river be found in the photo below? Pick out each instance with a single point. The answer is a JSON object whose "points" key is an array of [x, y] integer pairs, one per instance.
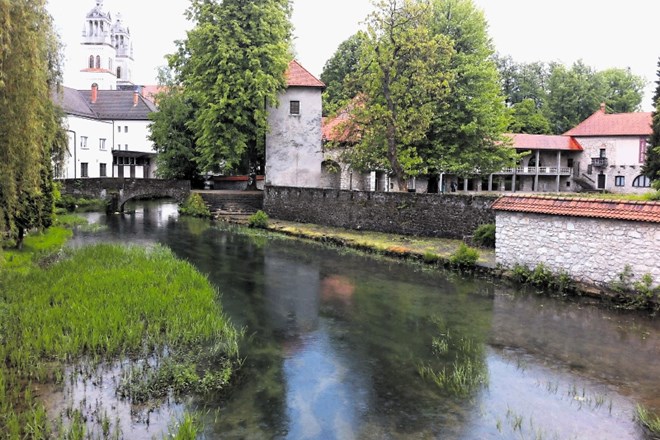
{"points": [[433, 215]]}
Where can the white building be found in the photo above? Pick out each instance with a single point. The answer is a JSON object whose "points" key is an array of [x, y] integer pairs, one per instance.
{"points": [[293, 143]]}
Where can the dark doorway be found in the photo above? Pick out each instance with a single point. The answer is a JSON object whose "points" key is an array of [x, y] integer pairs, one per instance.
{"points": [[120, 171], [601, 181], [434, 183]]}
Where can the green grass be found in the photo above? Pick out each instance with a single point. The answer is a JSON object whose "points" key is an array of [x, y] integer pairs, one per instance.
{"points": [[648, 420], [107, 302], [35, 247]]}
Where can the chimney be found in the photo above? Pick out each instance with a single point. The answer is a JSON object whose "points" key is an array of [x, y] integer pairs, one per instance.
{"points": [[602, 107], [136, 95], [95, 92]]}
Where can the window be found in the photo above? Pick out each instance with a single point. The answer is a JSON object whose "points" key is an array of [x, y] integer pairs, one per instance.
{"points": [[570, 163], [643, 146], [101, 144], [102, 170], [84, 169], [119, 129], [603, 152], [119, 72], [83, 142], [294, 107], [125, 128], [91, 61], [98, 61], [125, 146], [641, 182], [590, 169], [619, 181]]}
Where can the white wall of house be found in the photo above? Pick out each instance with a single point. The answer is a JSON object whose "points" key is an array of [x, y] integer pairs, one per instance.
{"points": [[90, 146], [132, 136], [624, 161], [594, 251], [293, 144]]}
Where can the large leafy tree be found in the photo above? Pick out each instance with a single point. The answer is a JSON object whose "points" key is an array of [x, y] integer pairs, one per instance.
{"points": [[30, 124], [652, 165], [468, 123], [339, 71], [527, 118], [622, 90], [173, 139], [232, 67], [403, 73]]}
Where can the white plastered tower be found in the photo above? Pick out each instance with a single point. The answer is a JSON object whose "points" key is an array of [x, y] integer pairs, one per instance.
{"points": [[98, 54], [121, 40]]}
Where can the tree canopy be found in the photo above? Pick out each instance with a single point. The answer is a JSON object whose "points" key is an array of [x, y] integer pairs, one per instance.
{"points": [[31, 125], [651, 167], [231, 67]]}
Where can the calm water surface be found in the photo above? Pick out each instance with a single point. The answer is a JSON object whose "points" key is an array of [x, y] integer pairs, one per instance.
{"points": [[335, 342]]}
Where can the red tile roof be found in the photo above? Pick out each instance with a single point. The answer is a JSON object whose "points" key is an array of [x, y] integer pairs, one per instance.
{"points": [[581, 207], [616, 124], [544, 142], [298, 76]]}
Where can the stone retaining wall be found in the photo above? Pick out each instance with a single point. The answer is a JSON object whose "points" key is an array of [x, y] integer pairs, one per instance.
{"points": [[592, 251], [433, 215], [243, 202]]}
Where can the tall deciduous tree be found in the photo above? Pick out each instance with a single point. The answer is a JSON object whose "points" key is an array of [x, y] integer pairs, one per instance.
{"points": [[527, 118], [622, 90], [232, 66], [170, 132], [403, 74], [652, 165], [30, 124], [467, 125], [339, 71]]}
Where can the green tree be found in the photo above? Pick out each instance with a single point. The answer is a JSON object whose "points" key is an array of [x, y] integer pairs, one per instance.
{"points": [[527, 118], [232, 67], [622, 91], [466, 131], [402, 75], [30, 124], [339, 71], [522, 81], [170, 132], [651, 167], [574, 94]]}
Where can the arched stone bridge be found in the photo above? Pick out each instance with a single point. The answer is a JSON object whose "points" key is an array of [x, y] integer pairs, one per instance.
{"points": [[119, 191]]}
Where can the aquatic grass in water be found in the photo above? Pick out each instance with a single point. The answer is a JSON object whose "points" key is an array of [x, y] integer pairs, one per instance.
{"points": [[105, 302]]}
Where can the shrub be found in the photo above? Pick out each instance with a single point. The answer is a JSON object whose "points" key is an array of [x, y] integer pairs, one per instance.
{"points": [[258, 220], [484, 235], [521, 274], [194, 206], [464, 256]]}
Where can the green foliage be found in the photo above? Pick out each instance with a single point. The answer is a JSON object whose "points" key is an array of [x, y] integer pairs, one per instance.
{"points": [[258, 220], [35, 247], [648, 420], [231, 68], [622, 91], [170, 132], [527, 118], [484, 235], [542, 277], [80, 204], [188, 429], [651, 167], [30, 124], [465, 134], [105, 302], [464, 256], [339, 71], [195, 206], [430, 257], [402, 73]]}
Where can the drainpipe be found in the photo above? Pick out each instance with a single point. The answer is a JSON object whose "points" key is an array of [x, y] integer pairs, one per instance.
{"points": [[75, 145]]}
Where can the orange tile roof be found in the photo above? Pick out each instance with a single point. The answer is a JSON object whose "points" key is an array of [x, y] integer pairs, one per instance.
{"points": [[544, 142], [616, 124], [581, 207], [298, 76]]}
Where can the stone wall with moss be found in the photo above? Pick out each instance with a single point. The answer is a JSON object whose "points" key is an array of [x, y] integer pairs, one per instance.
{"points": [[432, 215]]}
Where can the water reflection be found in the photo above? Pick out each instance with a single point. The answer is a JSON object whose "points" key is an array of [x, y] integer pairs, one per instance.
{"points": [[335, 342]]}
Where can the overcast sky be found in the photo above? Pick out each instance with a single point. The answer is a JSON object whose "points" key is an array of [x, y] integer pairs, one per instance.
{"points": [[604, 33]]}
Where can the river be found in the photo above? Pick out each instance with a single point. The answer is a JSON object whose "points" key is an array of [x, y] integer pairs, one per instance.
{"points": [[335, 342]]}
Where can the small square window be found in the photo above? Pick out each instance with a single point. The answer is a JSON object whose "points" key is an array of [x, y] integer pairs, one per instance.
{"points": [[294, 107], [101, 144], [83, 141], [619, 181]]}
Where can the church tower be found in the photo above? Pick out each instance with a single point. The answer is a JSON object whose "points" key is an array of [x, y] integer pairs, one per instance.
{"points": [[99, 54], [121, 40]]}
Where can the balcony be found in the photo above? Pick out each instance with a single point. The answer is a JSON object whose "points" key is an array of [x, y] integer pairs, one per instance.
{"points": [[542, 171], [599, 162]]}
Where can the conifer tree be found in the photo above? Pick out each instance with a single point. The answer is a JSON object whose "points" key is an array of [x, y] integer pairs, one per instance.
{"points": [[651, 168]]}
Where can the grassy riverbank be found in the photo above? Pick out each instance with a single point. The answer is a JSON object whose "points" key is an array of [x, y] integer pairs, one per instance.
{"points": [[96, 305]]}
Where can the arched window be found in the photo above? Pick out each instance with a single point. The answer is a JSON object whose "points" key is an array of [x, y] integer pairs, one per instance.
{"points": [[118, 71], [641, 182], [91, 61], [98, 61]]}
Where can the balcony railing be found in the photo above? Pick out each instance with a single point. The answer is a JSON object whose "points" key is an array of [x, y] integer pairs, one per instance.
{"points": [[599, 162], [546, 171]]}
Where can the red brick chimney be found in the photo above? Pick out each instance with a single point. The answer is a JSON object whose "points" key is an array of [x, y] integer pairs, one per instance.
{"points": [[603, 107], [95, 92], [136, 95]]}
